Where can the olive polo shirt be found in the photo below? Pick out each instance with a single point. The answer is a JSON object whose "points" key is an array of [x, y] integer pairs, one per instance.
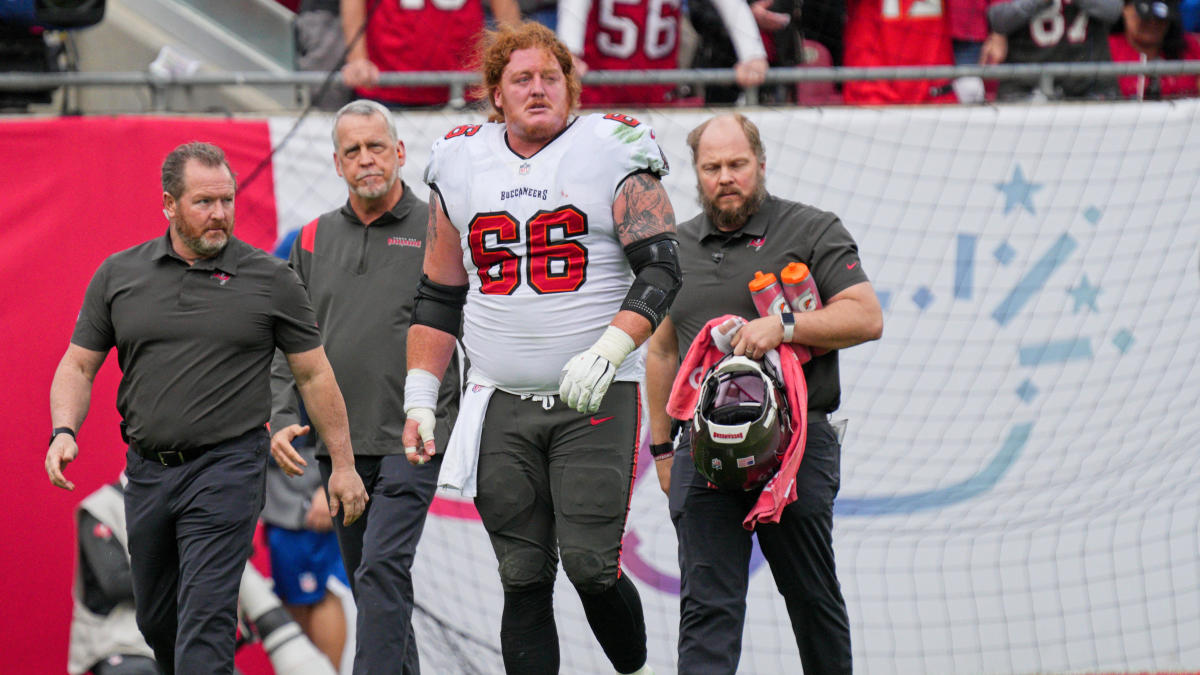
{"points": [[718, 266], [194, 342]]}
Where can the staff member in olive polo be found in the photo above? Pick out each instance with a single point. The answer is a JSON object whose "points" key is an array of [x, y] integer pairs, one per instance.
{"points": [[196, 316]]}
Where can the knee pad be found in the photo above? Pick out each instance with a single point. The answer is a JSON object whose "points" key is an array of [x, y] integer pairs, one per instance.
{"points": [[587, 571], [525, 567]]}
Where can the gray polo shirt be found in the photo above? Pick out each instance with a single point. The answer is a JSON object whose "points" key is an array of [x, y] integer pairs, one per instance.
{"points": [[363, 283], [194, 342], [717, 266]]}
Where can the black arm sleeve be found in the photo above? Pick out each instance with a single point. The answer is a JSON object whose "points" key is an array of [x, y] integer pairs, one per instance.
{"points": [[655, 262], [104, 566]]}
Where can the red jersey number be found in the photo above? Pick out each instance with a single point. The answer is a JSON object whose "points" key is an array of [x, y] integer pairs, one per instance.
{"points": [[555, 263]]}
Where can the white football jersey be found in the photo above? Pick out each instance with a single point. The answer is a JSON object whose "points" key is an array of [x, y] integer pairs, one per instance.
{"points": [[547, 272]]}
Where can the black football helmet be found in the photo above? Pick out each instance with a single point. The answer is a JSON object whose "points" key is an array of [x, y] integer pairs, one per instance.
{"points": [[741, 424]]}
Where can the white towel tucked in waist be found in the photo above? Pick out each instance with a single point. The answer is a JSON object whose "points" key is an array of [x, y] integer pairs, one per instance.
{"points": [[461, 463]]}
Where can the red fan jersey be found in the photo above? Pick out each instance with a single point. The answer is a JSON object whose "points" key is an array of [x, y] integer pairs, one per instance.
{"points": [[631, 35], [417, 35], [897, 33]]}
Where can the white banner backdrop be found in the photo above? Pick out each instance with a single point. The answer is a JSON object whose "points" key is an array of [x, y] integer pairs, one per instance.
{"points": [[1020, 479]]}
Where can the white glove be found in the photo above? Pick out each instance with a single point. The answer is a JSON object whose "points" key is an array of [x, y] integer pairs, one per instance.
{"points": [[724, 340], [586, 377]]}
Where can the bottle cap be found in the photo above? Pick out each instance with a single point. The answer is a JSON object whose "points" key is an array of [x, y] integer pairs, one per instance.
{"points": [[761, 281], [794, 273]]}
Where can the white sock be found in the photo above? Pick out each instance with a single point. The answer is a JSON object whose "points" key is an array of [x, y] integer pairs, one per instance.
{"points": [[644, 670]]}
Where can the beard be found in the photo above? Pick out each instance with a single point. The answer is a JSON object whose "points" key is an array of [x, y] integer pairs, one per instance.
{"points": [[202, 247], [378, 191], [734, 217]]}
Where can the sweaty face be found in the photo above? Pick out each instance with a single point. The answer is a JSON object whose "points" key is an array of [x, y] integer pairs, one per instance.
{"points": [[533, 95], [367, 158], [202, 216], [730, 179]]}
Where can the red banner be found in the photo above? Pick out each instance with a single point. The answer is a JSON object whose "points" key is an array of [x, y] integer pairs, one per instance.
{"points": [[75, 191]]}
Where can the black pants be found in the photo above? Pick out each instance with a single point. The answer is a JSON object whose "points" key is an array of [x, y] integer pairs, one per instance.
{"points": [[378, 550], [190, 532], [714, 563]]}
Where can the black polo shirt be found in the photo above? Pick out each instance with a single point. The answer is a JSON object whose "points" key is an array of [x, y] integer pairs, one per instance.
{"points": [[717, 266], [194, 342]]}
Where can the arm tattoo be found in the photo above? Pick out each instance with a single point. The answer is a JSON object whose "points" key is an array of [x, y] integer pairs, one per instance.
{"points": [[435, 207], [642, 209]]}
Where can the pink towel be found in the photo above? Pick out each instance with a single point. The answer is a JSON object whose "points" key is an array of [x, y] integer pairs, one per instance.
{"points": [[701, 355]]}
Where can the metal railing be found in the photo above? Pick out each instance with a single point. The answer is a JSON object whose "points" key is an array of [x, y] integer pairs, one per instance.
{"points": [[458, 82]]}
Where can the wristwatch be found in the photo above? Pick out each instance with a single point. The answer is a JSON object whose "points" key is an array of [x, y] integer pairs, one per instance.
{"points": [[789, 325], [60, 430]]}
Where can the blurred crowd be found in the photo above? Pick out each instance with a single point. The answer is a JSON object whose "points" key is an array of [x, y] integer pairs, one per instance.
{"points": [[366, 37]]}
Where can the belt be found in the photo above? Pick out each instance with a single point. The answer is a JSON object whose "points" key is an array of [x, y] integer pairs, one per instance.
{"points": [[172, 457], [181, 457]]}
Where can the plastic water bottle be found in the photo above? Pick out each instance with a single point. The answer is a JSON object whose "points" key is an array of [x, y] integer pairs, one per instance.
{"points": [[799, 288], [801, 292], [768, 296]]}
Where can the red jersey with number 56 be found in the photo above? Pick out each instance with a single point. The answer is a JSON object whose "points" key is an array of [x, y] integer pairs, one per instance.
{"points": [[547, 271], [897, 33], [631, 35], [419, 35]]}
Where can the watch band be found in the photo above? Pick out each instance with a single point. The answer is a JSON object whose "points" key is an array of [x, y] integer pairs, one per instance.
{"points": [[662, 450], [789, 325], [61, 430]]}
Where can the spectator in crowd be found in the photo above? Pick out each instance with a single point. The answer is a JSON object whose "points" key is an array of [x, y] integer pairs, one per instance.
{"points": [[104, 633], [1150, 30], [1051, 31], [551, 413], [195, 316], [644, 35], [897, 33], [720, 250], [726, 39], [303, 548], [389, 35], [968, 29], [320, 46], [361, 264]]}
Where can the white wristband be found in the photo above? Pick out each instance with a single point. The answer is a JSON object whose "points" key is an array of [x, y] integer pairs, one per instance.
{"points": [[614, 344], [421, 389]]}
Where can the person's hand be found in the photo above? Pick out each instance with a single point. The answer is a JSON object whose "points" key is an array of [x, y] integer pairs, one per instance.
{"points": [[360, 73], [758, 337], [663, 466], [767, 20], [586, 377], [419, 446], [584, 381], [285, 453], [63, 450], [995, 49], [318, 518], [750, 73], [346, 493]]}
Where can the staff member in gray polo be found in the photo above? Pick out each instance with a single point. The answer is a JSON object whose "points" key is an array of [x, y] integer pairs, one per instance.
{"points": [[195, 316], [742, 230]]}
